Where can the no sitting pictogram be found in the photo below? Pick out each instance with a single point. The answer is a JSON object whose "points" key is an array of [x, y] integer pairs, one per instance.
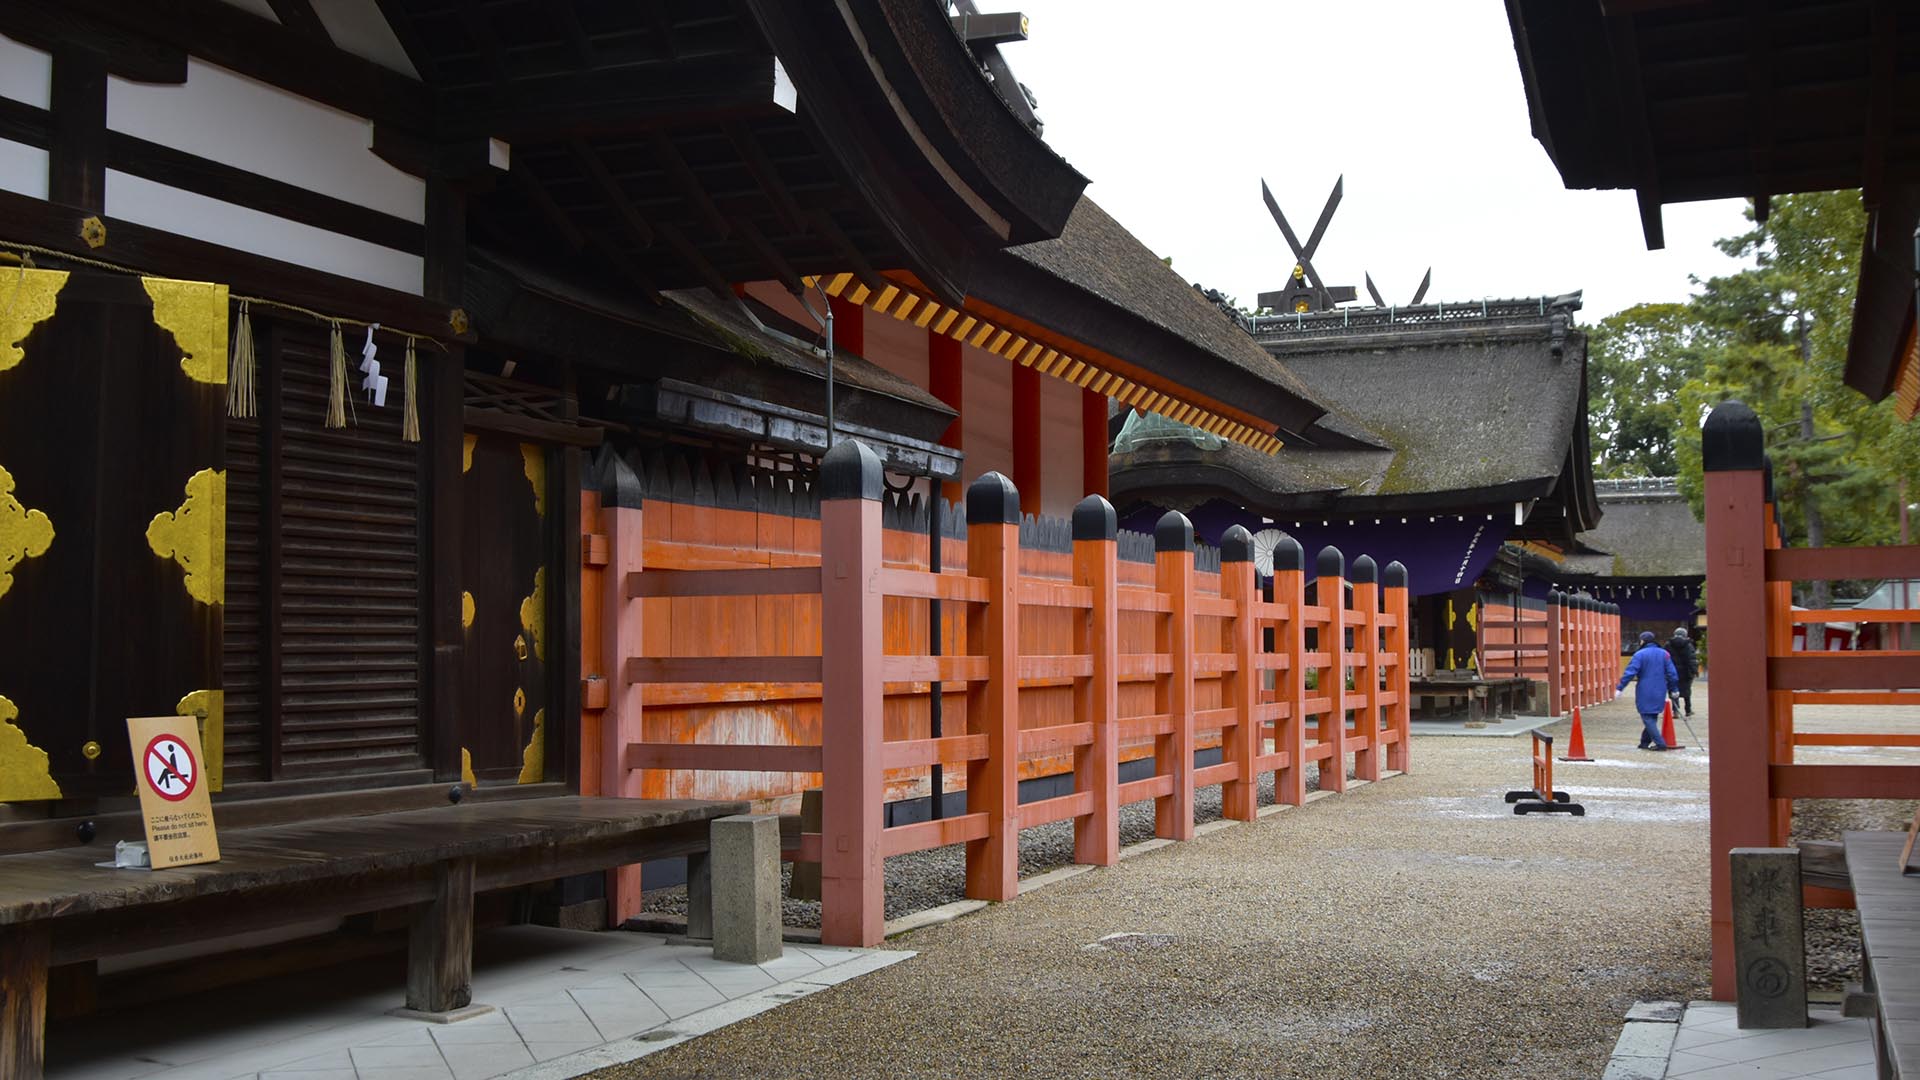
{"points": [[169, 767]]}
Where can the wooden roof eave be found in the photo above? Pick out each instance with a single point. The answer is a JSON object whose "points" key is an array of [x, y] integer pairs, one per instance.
{"points": [[863, 81]]}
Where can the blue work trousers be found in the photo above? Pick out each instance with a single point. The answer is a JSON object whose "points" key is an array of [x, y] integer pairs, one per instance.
{"points": [[1651, 735]]}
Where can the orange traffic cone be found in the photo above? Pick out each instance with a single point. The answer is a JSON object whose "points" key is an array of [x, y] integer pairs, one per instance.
{"points": [[1577, 740], [1666, 727]]}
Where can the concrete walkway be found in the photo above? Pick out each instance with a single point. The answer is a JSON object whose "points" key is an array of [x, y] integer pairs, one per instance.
{"points": [[566, 1003], [1411, 928], [1705, 1042]]}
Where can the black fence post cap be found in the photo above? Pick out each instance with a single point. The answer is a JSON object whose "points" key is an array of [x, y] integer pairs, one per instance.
{"points": [[851, 470], [1365, 571], [1173, 532], [1395, 575], [992, 500], [1094, 519], [1330, 563], [1288, 554], [1732, 439], [1236, 545]]}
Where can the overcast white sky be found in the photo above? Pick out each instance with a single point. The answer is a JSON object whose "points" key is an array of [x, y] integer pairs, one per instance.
{"points": [[1178, 110]]}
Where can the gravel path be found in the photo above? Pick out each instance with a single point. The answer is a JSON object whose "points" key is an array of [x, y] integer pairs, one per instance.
{"points": [[1413, 928]]}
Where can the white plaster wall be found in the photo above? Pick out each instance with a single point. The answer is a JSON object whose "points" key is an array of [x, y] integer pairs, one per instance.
{"points": [[1060, 447], [26, 74], [986, 415], [23, 169], [230, 118], [358, 27], [187, 214]]}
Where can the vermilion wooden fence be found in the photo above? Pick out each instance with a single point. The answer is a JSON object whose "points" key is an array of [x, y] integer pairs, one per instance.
{"points": [[1571, 643], [1162, 655], [1759, 678]]}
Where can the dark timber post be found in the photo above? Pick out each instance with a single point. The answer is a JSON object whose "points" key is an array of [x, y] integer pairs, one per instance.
{"points": [[440, 943]]}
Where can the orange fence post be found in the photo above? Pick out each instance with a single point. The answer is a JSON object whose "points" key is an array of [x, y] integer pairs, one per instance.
{"points": [[1366, 673], [621, 495], [1173, 752], [1330, 683], [993, 706], [1400, 713], [1779, 702], [852, 881], [1240, 796], [1555, 661], [1096, 766], [1290, 641], [1733, 456]]}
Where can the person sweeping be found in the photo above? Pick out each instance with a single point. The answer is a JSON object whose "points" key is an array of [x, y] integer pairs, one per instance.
{"points": [[1687, 663], [1654, 670]]}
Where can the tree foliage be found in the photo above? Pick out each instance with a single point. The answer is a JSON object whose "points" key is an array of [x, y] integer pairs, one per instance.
{"points": [[1773, 335]]}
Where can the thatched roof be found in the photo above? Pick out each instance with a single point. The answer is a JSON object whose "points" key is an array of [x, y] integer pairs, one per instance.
{"points": [[1440, 407], [1648, 531]]}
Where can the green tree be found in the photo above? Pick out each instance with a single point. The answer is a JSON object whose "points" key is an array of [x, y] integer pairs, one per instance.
{"points": [[1775, 336], [1639, 360]]}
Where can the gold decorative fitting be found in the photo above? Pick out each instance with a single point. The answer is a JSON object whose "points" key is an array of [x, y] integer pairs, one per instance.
{"points": [[520, 646], [466, 768], [519, 702], [195, 313], [466, 452], [466, 610], [24, 533], [210, 708], [533, 760], [26, 301], [195, 536], [457, 320], [90, 750], [25, 769], [533, 614], [533, 462], [94, 232]]}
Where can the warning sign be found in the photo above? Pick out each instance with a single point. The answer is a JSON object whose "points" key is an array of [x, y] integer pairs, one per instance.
{"points": [[172, 797]]}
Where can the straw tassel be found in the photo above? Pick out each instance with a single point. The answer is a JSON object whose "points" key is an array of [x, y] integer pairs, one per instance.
{"points": [[337, 385], [241, 400], [410, 418]]}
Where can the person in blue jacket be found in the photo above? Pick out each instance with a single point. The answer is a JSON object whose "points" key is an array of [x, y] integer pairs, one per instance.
{"points": [[1654, 668]]}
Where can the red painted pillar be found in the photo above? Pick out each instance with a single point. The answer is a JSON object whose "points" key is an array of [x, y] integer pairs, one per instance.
{"points": [[1400, 713], [1366, 674], [621, 639], [1096, 766], [852, 881], [1027, 442], [993, 706], [1240, 796], [1290, 641], [1093, 443], [1331, 682], [946, 381], [849, 326], [1733, 455], [1173, 752], [1779, 702]]}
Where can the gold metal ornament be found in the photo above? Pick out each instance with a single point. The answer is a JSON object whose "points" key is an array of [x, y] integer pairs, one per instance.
{"points": [[519, 702], [466, 610], [533, 461], [466, 452], [25, 769], [94, 232], [466, 768], [533, 760], [24, 533], [457, 321], [195, 313], [520, 646], [210, 708], [90, 750], [194, 535], [533, 614], [27, 299]]}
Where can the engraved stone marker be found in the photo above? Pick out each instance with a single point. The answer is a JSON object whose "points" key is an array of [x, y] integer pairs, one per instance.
{"points": [[1769, 942]]}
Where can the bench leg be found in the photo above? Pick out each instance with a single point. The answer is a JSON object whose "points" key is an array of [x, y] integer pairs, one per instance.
{"points": [[745, 862], [440, 944], [700, 895], [23, 1002]]}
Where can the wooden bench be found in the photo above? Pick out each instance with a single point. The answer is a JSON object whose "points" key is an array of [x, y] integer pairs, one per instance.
{"points": [[58, 907], [1496, 697], [1889, 906]]}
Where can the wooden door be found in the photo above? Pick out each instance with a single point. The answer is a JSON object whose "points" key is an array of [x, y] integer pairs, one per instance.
{"points": [[507, 560], [112, 501]]}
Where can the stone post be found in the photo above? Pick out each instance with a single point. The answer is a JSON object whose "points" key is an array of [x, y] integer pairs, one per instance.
{"points": [[744, 865], [1769, 940]]}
